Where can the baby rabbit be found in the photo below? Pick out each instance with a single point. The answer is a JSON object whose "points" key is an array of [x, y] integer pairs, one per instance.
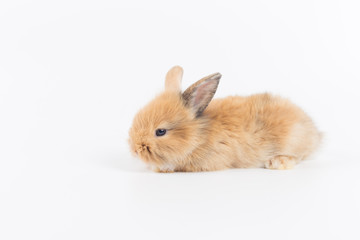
{"points": [[187, 132]]}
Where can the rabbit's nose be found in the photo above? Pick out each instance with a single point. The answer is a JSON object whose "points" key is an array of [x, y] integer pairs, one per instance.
{"points": [[140, 148]]}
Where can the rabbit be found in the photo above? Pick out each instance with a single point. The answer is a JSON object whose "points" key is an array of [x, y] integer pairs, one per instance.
{"points": [[187, 132]]}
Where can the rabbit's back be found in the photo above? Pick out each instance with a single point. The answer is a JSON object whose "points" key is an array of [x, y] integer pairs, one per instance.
{"points": [[260, 127]]}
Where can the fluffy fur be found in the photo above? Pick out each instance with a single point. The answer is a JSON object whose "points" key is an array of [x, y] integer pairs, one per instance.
{"points": [[261, 130]]}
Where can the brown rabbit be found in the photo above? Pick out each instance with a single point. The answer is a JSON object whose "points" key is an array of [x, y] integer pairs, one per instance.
{"points": [[186, 132]]}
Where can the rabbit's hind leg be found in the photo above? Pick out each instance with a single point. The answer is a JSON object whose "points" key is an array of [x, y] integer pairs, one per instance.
{"points": [[281, 162]]}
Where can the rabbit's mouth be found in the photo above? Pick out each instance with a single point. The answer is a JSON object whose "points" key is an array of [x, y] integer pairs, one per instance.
{"points": [[155, 159]]}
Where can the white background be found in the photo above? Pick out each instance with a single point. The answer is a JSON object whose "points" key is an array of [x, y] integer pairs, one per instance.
{"points": [[74, 73]]}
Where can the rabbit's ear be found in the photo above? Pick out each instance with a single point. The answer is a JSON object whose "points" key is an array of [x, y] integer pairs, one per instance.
{"points": [[173, 79], [198, 96]]}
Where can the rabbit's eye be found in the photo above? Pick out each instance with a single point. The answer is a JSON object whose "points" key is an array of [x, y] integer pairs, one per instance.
{"points": [[160, 132]]}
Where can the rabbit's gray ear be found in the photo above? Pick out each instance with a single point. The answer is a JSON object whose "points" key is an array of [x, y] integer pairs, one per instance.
{"points": [[173, 79], [198, 96]]}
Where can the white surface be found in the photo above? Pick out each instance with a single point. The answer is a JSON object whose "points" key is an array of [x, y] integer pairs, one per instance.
{"points": [[73, 74]]}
